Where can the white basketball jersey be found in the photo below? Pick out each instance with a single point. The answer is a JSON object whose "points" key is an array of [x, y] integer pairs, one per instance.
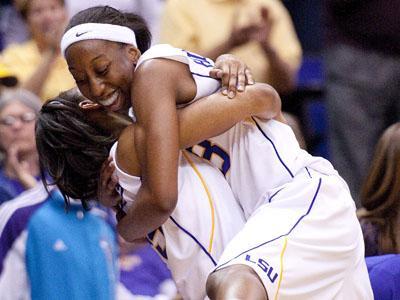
{"points": [[258, 156], [195, 235], [199, 67], [251, 151], [287, 196]]}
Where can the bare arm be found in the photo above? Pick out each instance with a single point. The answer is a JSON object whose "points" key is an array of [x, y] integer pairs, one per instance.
{"points": [[201, 120], [215, 114], [36, 82], [206, 118], [157, 145], [283, 74], [284, 78], [49, 47]]}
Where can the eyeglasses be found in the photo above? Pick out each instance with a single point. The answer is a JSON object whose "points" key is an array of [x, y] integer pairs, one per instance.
{"points": [[24, 118]]}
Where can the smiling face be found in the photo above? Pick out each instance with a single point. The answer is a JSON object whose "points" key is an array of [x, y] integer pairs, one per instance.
{"points": [[103, 71]]}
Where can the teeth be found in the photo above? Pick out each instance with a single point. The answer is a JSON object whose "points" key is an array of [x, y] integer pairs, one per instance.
{"points": [[109, 101]]}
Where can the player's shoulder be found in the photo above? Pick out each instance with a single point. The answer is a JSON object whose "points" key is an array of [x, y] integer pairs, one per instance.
{"points": [[162, 63], [160, 51]]}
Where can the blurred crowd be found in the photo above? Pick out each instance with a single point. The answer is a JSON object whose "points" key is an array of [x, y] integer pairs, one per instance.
{"points": [[77, 254]]}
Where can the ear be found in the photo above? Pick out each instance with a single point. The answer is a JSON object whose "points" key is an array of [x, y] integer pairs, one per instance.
{"points": [[89, 105], [133, 53]]}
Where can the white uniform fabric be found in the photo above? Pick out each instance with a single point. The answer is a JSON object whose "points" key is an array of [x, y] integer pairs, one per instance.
{"points": [[199, 67], [193, 238], [288, 196], [305, 242], [258, 156]]}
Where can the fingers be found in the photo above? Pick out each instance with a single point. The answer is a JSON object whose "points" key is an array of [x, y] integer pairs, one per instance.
{"points": [[233, 73], [106, 171], [216, 73], [232, 83], [249, 77], [107, 194], [264, 13], [242, 78], [234, 79], [12, 151], [225, 73]]}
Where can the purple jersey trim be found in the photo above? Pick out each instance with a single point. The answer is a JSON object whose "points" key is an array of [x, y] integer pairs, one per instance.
{"points": [[14, 227], [282, 235]]}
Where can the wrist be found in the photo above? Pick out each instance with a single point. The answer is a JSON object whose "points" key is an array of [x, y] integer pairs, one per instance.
{"points": [[27, 180], [49, 55], [268, 49], [230, 44]]}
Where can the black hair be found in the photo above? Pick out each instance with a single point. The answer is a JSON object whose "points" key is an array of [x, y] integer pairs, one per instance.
{"points": [[71, 149], [109, 15]]}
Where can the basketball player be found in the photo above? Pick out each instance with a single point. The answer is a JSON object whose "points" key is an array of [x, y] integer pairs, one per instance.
{"points": [[287, 195], [207, 215], [103, 49]]}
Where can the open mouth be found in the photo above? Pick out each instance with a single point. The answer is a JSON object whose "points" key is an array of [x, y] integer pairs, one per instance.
{"points": [[110, 101]]}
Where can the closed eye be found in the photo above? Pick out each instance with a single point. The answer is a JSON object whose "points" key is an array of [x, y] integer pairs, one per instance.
{"points": [[103, 71]]}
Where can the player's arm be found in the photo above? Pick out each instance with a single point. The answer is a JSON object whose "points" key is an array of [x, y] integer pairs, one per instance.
{"points": [[215, 114], [203, 119], [206, 118], [155, 90]]}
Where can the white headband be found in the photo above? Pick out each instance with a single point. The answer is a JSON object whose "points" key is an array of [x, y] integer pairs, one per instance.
{"points": [[97, 31]]}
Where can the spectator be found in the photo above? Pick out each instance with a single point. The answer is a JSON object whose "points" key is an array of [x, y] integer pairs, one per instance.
{"points": [[260, 32], [38, 63], [46, 253], [384, 273], [19, 169], [380, 196], [363, 71]]}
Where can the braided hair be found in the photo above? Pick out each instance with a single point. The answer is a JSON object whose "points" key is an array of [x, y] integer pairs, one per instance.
{"points": [[71, 150]]}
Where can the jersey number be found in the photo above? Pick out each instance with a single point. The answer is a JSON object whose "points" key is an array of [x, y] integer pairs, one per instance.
{"points": [[208, 149], [199, 59], [157, 240]]}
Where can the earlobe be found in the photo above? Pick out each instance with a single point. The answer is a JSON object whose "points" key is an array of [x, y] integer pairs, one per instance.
{"points": [[89, 105], [133, 53]]}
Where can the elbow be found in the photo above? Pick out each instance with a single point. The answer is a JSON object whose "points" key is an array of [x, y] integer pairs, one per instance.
{"points": [[164, 200], [166, 204], [268, 103]]}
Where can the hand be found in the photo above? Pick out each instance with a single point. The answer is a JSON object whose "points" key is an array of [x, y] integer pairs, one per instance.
{"points": [[107, 193], [20, 167], [239, 34], [262, 32], [234, 74], [52, 38]]}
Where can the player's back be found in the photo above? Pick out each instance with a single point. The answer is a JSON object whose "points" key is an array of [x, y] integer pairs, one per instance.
{"points": [[258, 157], [206, 218]]}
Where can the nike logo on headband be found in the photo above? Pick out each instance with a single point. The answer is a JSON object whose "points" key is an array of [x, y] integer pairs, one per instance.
{"points": [[82, 33]]}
